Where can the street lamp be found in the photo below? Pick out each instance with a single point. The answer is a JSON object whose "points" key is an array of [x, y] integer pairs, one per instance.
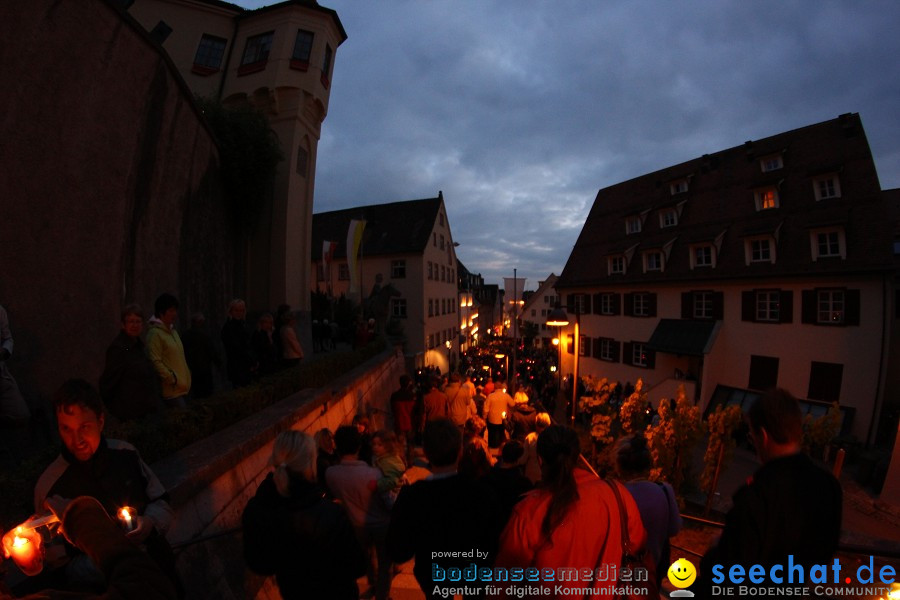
{"points": [[559, 318]]}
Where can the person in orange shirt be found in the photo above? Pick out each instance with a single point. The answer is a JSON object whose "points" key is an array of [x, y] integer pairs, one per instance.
{"points": [[571, 521]]}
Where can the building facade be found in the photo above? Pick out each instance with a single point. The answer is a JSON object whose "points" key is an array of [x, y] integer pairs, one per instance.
{"points": [[407, 249], [279, 59], [768, 264], [537, 308]]}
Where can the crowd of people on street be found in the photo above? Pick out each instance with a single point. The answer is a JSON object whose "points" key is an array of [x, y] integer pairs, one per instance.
{"points": [[470, 474]]}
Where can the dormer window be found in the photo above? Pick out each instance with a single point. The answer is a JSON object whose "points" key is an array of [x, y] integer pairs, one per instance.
{"points": [[828, 243], [678, 187], [632, 225], [668, 218], [653, 261], [616, 265], [773, 162], [702, 256], [766, 198], [759, 250], [827, 186]]}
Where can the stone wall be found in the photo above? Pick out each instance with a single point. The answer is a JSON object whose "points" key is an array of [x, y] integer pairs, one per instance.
{"points": [[109, 192], [210, 481]]}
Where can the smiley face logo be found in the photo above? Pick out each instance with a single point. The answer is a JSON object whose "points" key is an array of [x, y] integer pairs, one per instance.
{"points": [[682, 573]]}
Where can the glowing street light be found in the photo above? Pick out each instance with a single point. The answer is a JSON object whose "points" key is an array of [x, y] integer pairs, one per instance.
{"points": [[559, 318]]}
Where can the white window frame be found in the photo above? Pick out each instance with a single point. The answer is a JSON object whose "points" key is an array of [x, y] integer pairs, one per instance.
{"points": [[831, 181], [834, 243], [633, 225], [638, 355], [606, 304], [764, 243], [695, 256], [398, 308], [653, 261], [772, 162], [578, 304], [606, 349], [640, 304], [767, 306], [617, 265], [678, 187], [831, 307], [668, 218], [398, 269], [702, 305], [767, 198]]}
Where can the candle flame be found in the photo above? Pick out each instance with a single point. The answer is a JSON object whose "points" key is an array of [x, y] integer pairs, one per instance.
{"points": [[18, 542], [125, 514]]}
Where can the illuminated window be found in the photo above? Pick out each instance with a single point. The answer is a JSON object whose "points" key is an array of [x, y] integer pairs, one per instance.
{"points": [[766, 198]]}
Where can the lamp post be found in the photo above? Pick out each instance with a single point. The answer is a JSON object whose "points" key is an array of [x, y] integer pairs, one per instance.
{"points": [[559, 318]]}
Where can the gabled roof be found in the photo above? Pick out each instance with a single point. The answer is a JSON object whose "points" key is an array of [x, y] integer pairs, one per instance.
{"points": [[546, 285], [719, 208], [393, 228]]}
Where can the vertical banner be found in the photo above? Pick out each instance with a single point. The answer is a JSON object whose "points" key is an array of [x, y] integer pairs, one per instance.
{"points": [[354, 241], [328, 249], [513, 288]]}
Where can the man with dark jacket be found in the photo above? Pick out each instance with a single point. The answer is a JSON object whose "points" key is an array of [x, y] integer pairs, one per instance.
{"points": [[110, 471], [444, 513], [129, 385], [791, 507], [239, 358]]}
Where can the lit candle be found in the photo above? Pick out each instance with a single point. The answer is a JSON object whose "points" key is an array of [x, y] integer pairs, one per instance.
{"points": [[125, 518], [24, 546]]}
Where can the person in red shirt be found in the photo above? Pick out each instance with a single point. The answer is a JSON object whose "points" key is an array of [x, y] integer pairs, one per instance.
{"points": [[571, 521]]}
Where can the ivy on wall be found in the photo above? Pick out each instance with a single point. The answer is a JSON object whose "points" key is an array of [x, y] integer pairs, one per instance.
{"points": [[249, 153]]}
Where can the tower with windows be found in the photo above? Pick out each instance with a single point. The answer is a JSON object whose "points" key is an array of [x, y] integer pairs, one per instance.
{"points": [[279, 59]]}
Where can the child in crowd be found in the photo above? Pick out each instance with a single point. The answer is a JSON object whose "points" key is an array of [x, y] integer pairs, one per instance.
{"points": [[387, 457]]}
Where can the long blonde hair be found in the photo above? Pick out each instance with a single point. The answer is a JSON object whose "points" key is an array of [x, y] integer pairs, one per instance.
{"points": [[293, 452]]}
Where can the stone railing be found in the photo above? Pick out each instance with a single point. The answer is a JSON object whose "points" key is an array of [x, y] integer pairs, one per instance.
{"points": [[210, 481]]}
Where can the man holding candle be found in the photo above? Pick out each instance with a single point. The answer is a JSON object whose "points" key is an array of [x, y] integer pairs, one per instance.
{"points": [[110, 471]]}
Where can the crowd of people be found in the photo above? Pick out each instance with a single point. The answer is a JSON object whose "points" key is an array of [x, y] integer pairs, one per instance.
{"points": [[469, 475]]}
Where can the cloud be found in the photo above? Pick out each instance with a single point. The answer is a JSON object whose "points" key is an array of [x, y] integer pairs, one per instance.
{"points": [[521, 111]]}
